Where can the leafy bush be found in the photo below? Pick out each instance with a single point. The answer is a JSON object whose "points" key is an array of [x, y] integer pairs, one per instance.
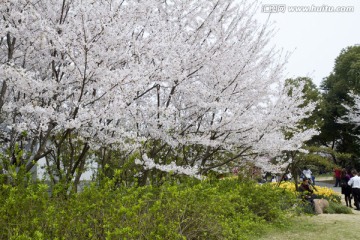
{"points": [[221, 209]]}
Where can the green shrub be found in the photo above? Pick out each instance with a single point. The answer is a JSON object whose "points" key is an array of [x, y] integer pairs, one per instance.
{"points": [[216, 209]]}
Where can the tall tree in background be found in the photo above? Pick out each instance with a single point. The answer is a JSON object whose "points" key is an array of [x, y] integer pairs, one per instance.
{"points": [[345, 77]]}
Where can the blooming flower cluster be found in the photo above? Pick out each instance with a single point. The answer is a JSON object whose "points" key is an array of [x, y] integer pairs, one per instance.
{"points": [[195, 77], [149, 163], [320, 191]]}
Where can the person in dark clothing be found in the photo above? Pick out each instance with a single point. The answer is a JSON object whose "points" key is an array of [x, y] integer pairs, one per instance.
{"points": [[307, 190], [305, 186], [345, 188]]}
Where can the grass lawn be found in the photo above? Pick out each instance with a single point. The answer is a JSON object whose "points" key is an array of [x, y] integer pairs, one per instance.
{"points": [[319, 227]]}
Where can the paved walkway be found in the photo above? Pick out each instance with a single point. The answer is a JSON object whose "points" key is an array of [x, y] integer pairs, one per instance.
{"points": [[328, 185]]}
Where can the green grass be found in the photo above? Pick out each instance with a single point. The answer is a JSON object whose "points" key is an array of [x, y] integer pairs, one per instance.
{"points": [[320, 227], [337, 208]]}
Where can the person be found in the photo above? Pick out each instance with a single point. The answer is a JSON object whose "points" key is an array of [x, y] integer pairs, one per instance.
{"points": [[345, 188], [307, 174], [307, 190], [273, 179], [305, 186], [337, 175], [354, 182], [288, 176], [313, 179]]}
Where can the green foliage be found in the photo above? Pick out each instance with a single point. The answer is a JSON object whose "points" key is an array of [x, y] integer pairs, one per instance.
{"points": [[332, 198], [306, 208], [337, 208], [345, 78], [346, 68], [320, 158], [117, 164], [22, 208], [216, 209]]}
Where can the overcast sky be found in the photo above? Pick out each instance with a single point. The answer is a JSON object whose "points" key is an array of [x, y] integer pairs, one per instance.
{"points": [[315, 39]]}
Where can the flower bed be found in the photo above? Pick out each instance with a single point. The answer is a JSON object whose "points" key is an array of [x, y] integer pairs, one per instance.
{"points": [[323, 192]]}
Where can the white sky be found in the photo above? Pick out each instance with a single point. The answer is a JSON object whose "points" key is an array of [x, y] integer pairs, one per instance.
{"points": [[315, 39]]}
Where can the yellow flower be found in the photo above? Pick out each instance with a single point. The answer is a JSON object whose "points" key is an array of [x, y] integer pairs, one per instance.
{"points": [[321, 191]]}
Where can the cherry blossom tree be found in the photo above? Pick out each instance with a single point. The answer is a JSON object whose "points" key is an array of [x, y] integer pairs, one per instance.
{"points": [[187, 84]]}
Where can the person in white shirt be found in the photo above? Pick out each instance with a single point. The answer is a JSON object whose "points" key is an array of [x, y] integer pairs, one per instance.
{"points": [[354, 182], [308, 174], [289, 176]]}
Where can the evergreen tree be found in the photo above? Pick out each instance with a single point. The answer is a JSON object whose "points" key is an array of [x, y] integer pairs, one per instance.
{"points": [[345, 78]]}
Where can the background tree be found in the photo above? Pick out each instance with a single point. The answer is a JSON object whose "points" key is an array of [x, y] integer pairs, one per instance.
{"points": [[352, 117], [336, 87]]}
